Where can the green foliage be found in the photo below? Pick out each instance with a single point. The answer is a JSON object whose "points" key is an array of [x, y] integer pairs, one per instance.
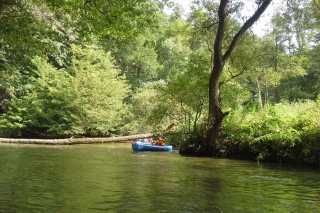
{"points": [[83, 99], [32, 29], [233, 94], [184, 99], [139, 60], [282, 132], [293, 31], [47, 29], [58, 89], [173, 55], [157, 53], [120, 19], [141, 105]]}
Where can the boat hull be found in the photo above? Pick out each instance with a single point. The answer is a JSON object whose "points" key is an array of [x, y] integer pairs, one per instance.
{"points": [[142, 146]]}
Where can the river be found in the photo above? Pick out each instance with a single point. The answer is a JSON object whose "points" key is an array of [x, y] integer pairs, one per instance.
{"points": [[113, 178]]}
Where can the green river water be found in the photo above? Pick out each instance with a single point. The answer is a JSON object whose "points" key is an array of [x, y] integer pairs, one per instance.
{"points": [[113, 178]]}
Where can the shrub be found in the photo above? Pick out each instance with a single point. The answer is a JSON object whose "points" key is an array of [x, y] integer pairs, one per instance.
{"points": [[85, 98], [282, 132]]}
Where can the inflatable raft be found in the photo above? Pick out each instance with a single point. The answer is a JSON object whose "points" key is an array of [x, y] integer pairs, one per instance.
{"points": [[145, 146]]}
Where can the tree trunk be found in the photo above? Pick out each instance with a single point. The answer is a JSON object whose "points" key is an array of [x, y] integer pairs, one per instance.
{"points": [[216, 115], [259, 94]]}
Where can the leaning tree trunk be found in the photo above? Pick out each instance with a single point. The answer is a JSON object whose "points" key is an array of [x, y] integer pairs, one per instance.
{"points": [[216, 115], [215, 121]]}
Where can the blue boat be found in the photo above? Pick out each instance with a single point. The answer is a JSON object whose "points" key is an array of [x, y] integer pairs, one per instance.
{"points": [[145, 146]]}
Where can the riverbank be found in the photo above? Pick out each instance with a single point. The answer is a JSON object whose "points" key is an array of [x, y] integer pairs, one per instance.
{"points": [[70, 141]]}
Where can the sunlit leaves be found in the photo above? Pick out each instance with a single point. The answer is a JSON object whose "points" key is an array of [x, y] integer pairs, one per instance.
{"points": [[85, 98], [142, 103], [184, 99], [173, 56], [99, 88], [281, 132], [120, 19]]}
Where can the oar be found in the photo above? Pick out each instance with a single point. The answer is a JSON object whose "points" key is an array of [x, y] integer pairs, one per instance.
{"points": [[170, 126], [161, 133]]}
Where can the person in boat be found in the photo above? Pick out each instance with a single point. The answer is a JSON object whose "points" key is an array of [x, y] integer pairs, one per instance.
{"points": [[160, 141], [145, 140]]}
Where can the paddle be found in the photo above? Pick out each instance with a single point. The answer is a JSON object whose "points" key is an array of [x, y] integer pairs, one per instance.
{"points": [[170, 126]]}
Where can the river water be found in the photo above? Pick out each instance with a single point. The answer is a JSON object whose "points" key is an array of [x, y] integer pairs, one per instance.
{"points": [[113, 178]]}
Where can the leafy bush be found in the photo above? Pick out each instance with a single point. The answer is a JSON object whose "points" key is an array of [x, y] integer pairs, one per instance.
{"points": [[85, 98], [283, 132], [137, 121]]}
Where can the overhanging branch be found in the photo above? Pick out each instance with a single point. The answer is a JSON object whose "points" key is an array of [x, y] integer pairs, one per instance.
{"points": [[245, 27]]}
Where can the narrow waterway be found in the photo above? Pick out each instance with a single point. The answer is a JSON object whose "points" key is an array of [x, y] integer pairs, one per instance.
{"points": [[113, 178]]}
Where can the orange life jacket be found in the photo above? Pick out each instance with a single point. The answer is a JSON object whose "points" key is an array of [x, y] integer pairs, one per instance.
{"points": [[160, 143]]}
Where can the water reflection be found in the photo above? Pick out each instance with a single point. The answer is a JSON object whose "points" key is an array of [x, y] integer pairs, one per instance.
{"points": [[113, 178]]}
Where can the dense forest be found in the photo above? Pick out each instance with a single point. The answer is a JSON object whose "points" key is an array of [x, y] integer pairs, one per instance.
{"points": [[92, 68]]}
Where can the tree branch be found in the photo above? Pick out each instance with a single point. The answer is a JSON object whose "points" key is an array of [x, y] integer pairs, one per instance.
{"points": [[222, 13], [232, 76], [210, 25], [245, 27]]}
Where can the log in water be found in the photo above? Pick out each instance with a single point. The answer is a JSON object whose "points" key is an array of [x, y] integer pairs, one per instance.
{"points": [[69, 141]]}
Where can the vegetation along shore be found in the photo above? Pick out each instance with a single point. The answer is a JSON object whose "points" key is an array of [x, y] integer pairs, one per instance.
{"points": [[74, 71]]}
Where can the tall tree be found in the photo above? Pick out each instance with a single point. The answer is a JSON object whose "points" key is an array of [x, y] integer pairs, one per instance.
{"points": [[216, 115]]}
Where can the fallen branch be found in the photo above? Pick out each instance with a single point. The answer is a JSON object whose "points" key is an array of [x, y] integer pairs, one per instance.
{"points": [[70, 141]]}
